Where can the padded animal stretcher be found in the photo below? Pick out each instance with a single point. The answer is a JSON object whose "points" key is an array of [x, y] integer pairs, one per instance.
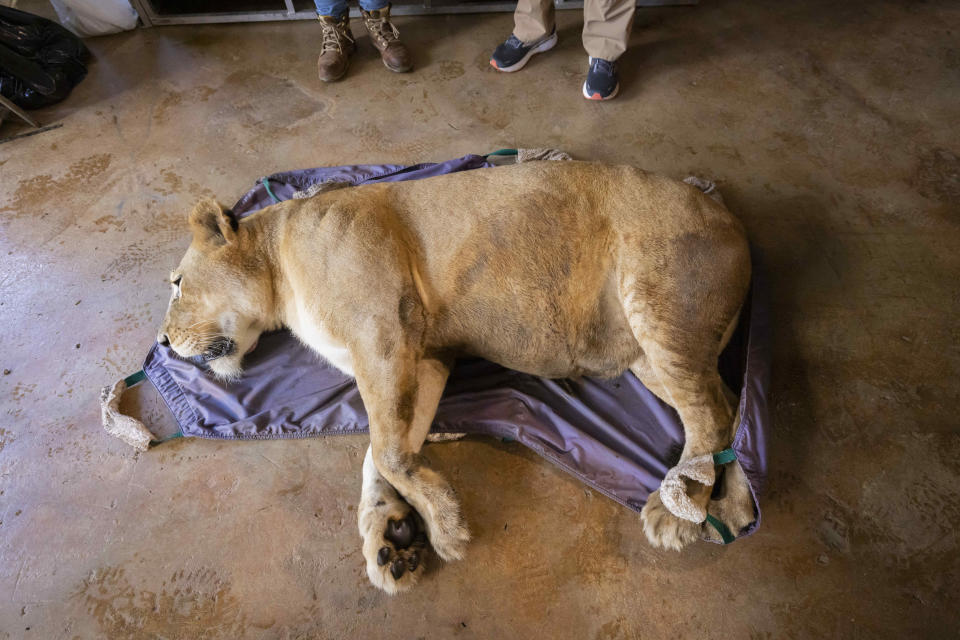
{"points": [[614, 435]]}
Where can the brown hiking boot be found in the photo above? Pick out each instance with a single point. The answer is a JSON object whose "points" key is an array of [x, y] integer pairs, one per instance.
{"points": [[336, 49], [386, 39]]}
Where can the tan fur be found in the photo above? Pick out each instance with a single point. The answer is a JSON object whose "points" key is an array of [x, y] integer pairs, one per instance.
{"points": [[555, 269]]}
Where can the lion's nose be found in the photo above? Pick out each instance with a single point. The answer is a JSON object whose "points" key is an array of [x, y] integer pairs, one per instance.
{"points": [[163, 339]]}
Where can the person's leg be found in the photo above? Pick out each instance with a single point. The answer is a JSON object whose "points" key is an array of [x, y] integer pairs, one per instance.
{"points": [[606, 27], [606, 30], [384, 35], [371, 5], [533, 20], [337, 42], [333, 8], [534, 31]]}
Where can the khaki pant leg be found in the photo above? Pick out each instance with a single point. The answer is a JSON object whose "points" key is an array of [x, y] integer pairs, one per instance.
{"points": [[533, 19], [606, 27]]}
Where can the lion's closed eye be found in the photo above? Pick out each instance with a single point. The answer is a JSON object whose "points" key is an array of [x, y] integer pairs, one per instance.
{"points": [[175, 281]]}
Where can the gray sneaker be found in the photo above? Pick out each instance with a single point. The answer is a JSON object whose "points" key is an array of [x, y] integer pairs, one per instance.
{"points": [[513, 54], [602, 82]]}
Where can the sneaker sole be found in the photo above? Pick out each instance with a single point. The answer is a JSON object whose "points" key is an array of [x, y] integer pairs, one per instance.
{"points": [[546, 45], [597, 96]]}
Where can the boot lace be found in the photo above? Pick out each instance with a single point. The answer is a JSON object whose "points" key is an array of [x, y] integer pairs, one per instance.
{"points": [[383, 30], [333, 37]]}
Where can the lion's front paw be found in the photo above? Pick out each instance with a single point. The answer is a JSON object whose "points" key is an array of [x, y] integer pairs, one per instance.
{"points": [[445, 525], [664, 529], [449, 536], [394, 538]]}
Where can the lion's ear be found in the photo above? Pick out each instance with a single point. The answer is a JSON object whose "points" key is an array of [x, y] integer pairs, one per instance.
{"points": [[210, 223]]}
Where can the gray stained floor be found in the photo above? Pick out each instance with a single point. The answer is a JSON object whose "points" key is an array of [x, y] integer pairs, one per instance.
{"points": [[832, 130]]}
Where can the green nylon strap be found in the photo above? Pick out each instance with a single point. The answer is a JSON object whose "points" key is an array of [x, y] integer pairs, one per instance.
{"points": [[503, 152], [722, 457], [135, 378], [725, 456], [178, 434], [266, 185], [721, 529]]}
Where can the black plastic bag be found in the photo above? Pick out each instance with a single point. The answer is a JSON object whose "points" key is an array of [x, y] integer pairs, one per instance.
{"points": [[40, 61]]}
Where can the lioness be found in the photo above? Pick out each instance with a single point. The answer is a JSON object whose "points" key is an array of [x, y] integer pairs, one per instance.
{"points": [[557, 269]]}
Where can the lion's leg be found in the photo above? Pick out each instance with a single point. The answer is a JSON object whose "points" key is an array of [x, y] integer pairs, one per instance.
{"points": [[679, 366], [394, 542], [401, 399], [698, 395], [645, 373], [394, 538]]}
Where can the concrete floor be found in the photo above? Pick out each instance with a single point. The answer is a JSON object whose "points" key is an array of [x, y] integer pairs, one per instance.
{"points": [[833, 131]]}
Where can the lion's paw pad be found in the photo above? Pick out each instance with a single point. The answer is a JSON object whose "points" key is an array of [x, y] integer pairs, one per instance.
{"points": [[406, 544], [396, 550]]}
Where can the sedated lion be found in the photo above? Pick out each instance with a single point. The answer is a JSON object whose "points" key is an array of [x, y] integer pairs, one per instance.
{"points": [[558, 269]]}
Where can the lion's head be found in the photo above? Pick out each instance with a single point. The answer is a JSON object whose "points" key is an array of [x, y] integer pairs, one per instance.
{"points": [[222, 295]]}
